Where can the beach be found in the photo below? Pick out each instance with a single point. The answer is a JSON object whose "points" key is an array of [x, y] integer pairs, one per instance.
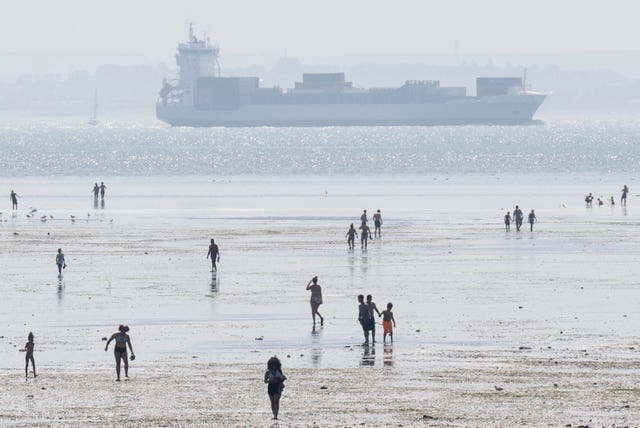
{"points": [[493, 328]]}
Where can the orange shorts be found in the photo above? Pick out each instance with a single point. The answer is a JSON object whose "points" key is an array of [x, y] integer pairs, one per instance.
{"points": [[387, 326]]}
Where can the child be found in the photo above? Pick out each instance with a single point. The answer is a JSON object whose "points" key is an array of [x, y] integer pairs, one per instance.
{"points": [[275, 380], [387, 318], [28, 347], [507, 220]]}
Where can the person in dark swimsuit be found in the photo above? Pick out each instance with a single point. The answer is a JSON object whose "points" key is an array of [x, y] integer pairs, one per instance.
{"points": [[28, 347], [363, 217], [275, 380], [60, 262], [507, 221], [377, 222], [589, 200], [120, 351], [96, 191], [364, 317], [532, 219], [14, 200], [623, 198], [316, 299], [102, 189], [518, 217], [372, 322], [214, 252], [365, 235], [351, 236]]}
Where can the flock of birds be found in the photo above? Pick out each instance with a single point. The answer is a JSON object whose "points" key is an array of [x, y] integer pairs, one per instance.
{"points": [[45, 218]]}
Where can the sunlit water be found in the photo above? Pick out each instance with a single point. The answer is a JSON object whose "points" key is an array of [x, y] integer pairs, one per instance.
{"points": [[279, 202], [76, 149]]}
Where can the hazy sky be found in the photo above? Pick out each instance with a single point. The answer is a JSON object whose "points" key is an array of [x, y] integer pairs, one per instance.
{"points": [[321, 28]]}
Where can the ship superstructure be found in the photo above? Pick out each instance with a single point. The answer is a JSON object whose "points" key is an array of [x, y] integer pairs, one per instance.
{"points": [[201, 97]]}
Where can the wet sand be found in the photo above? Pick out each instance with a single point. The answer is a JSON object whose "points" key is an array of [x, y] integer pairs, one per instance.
{"points": [[494, 328]]}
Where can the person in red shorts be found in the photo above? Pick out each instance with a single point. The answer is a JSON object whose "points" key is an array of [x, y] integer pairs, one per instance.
{"points": [[387, 320]]}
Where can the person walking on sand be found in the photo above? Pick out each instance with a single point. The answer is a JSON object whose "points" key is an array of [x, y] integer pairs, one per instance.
{"points": [[387, 319], [14, 200], [623, 198], [96, 191], [612, 201], [214, 253], [371, 307], [102, 189], [120, 350], [507, 221], [351, 236], [363, 218], [316, 299], [364, 318], [274, 378], [28, 356], [518, 217], [60, 261], [532, 219], [377, 222], [365, 235], [589, 200]]}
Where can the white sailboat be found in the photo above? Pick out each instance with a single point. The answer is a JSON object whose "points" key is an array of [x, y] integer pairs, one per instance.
{"points": [[94, 119]]}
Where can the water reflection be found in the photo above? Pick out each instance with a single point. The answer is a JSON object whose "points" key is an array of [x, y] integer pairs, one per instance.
{"points": [[60, 289], [316, 345], [215, 283], [387, 357], [365, 262], [368, 355], [352, 264]]}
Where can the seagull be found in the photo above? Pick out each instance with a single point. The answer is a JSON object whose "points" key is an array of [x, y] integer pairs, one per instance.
{"points": [[28, 215], [50, 216], [72, 217], [32, 210], [498, 388]]}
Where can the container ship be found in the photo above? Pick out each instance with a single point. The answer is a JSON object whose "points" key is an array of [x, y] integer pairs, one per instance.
{"points": [[201, 97]]}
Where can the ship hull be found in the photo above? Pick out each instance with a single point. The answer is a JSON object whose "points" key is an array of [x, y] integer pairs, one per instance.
{"points": [[513, 109]]}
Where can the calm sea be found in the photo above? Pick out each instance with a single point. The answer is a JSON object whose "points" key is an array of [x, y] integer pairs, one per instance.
{"points": [[150, 149]]}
